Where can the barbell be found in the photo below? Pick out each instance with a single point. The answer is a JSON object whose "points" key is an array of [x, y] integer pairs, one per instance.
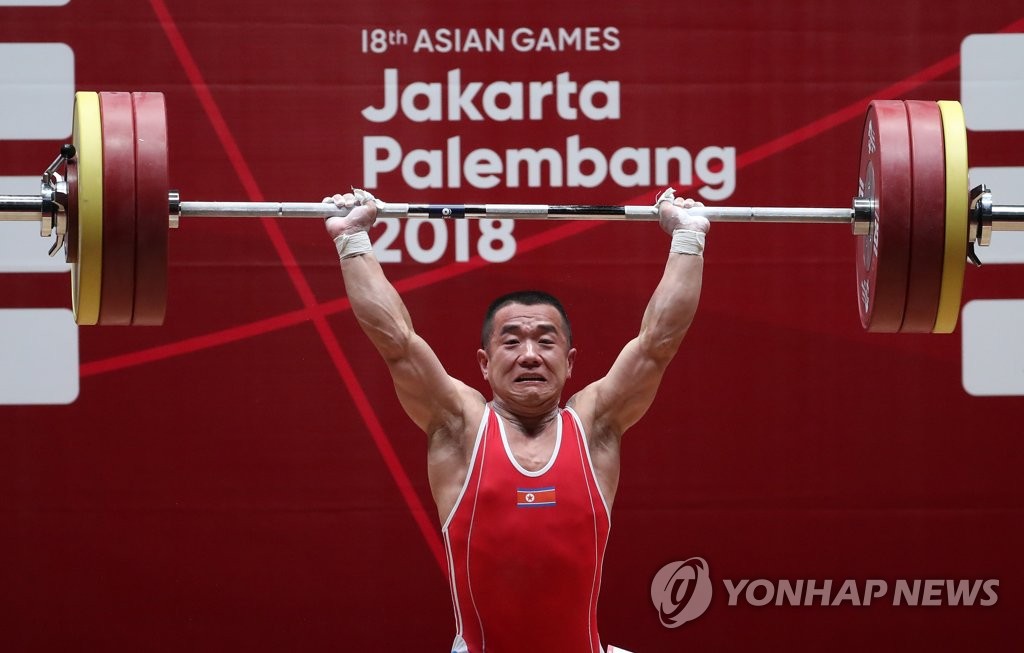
{"points": [[914, 219]]}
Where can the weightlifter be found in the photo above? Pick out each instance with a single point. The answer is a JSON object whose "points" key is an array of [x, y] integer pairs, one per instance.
{"points": [[524, 487]]}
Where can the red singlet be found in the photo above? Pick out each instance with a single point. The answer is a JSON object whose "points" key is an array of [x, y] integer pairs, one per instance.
{"points": [[525, 549]]}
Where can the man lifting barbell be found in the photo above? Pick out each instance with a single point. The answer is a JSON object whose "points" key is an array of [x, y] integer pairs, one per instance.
{"points": [[523, 487]]}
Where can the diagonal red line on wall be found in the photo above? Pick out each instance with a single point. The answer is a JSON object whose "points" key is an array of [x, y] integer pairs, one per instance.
{"points": [[419, 513]]}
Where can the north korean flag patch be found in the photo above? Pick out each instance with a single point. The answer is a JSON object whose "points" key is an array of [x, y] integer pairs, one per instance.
{"points": [[540, 497]]}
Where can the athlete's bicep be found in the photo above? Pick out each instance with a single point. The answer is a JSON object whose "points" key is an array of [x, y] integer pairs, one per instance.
{"points": [[619, 399], [431, 398]]}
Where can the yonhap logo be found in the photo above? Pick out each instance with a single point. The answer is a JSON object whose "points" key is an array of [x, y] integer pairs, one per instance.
{"points": [[681, 591]]}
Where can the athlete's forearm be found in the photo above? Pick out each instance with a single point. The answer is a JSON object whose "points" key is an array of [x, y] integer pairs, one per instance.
{"points": [[670, 312], [377, 306]]}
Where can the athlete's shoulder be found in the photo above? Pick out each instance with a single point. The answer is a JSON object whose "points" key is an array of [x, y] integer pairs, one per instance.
{"points": [[462, 422], [582, 405], [585, 405]]}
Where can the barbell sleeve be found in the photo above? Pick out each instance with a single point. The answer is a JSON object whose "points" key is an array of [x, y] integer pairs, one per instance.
{"points": [[21, 208], [1008, 217]]}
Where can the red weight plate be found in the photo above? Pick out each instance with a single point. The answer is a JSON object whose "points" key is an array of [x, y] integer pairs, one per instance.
{"points": [[71, 239], [928, 230], [118, 284], [151, 189], [883, 254]]}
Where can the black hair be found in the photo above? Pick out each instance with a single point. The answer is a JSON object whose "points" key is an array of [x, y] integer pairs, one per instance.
{"points": [[527, 298]]}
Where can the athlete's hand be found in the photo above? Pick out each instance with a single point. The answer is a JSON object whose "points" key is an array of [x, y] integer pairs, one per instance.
{"points": [[363, 213], [673, 214]]}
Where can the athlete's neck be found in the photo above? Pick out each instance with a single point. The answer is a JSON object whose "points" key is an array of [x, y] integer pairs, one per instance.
{"points": [[530, 425]]}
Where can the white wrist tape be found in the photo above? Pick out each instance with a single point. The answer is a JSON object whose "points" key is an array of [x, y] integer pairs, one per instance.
{"points": [[687, 241], [350, 245]]}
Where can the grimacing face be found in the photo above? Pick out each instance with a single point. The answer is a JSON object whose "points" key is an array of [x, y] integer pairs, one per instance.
{"points": [[528, 359]]}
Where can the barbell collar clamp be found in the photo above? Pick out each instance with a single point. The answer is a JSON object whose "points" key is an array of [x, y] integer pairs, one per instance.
{"points": [[61, 225], [863, 213], [53, 192], [986, 216], [981, 215], [174, 209]]}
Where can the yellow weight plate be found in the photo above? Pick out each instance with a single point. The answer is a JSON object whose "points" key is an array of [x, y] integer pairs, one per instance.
{"points": [[954, 133], [87, 272]]}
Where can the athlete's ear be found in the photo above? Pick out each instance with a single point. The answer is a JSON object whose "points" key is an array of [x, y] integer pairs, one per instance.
{"points": [[482, 360], [570, 359]]}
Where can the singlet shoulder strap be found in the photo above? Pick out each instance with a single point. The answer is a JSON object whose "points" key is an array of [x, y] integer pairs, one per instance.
{"points": [[571, 416], [472, 464]]}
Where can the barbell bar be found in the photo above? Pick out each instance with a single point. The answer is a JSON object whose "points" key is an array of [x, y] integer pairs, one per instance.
{"points": [[914, 219]]}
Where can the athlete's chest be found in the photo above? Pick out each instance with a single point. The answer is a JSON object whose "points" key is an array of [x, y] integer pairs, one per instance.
{"points": [[532, 452]]}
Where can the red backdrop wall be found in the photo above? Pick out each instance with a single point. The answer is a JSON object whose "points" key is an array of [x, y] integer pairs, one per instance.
{"points": [[243, 477]]}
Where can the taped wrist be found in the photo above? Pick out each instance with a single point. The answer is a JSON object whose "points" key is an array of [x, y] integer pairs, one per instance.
{"points": [[687, 241], [350, 245]]}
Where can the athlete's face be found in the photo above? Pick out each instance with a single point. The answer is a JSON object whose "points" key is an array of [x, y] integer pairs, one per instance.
{"points": [[528, 358]]}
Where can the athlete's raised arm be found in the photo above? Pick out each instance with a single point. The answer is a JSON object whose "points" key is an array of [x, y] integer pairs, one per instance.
{"points": [[432, 399], [617, 401]]}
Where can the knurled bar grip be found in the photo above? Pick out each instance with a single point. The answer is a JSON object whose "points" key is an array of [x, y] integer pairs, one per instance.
{"points": [[515, 211]]}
